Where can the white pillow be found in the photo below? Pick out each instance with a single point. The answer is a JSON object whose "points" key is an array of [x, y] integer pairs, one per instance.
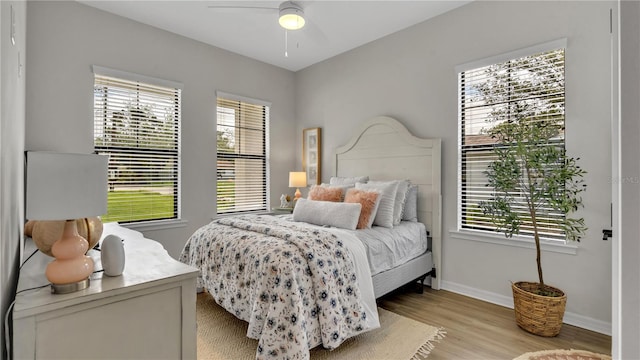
{"points": [[410, 212], [327, 213], [401, 196], [337, 180], [384, 214]]}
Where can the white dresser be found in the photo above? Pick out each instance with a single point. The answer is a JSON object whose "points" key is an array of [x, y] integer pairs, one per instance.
{"points": [[149, 312]]}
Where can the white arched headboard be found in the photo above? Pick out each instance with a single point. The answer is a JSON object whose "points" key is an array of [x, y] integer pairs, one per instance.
{"points": [[383, 149]]}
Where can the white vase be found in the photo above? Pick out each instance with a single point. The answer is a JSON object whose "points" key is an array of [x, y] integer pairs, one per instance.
{"points": [[112, 251]]}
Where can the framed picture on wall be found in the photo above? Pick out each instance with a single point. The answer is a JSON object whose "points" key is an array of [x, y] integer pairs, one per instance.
{"points": [[311, 150]]}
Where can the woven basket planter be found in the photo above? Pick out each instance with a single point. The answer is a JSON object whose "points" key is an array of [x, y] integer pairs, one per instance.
{"points": [[537, 314]]}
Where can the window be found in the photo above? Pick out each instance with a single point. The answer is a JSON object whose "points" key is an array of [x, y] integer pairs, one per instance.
{"points": [[242, 138], [492, 91], [137, 123]]}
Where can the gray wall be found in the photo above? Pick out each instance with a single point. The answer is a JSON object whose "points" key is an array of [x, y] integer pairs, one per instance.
{"points": [[12, 115], [628, 267], [66, 38], [410, 75]]}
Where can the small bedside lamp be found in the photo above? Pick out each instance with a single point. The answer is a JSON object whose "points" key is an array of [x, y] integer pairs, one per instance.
{"points": [[62, 186], [297, 179]]}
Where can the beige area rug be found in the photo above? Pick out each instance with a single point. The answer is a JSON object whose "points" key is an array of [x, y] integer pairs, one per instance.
{"points": [[563, 355], [223, 336]]}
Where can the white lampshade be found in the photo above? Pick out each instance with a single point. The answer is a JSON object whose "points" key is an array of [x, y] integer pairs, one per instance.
{"points": [[297, 179], [62, 186], [291, 16]]}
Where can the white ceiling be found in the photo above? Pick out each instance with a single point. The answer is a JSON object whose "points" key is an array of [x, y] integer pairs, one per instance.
{"points": [[332, 27]]}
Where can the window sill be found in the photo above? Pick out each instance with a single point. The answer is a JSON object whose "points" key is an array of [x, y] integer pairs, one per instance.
{"points": [[156, 225], [258, 212], [517, 241]]}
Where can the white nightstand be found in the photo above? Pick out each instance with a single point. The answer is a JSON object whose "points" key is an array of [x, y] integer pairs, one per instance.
{"points": [[147, 312]]}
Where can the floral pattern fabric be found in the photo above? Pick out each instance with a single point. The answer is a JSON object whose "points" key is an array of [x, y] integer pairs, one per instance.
{"points": [[296, 286]]}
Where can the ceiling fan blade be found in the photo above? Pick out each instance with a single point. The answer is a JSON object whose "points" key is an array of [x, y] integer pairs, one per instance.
{"points": [[315, 33], [241, 7]]}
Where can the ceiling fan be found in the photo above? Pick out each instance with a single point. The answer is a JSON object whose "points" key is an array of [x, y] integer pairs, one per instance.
{"points": [[290, 17], [291, 14]]}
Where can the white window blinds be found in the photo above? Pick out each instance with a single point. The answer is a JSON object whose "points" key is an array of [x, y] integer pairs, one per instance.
{"points": [[137, 124], [492, 94], [242, 166]]}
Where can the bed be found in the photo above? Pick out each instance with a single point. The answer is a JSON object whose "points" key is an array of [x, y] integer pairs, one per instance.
{"points": [[384, 149], [300, 285]]}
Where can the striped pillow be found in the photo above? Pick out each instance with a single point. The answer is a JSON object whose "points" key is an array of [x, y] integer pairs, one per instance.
{"points": [[384, 215]]}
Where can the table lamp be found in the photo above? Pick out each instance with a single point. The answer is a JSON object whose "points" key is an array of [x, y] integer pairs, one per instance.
{"points": [[64, 186], [297, 179]]}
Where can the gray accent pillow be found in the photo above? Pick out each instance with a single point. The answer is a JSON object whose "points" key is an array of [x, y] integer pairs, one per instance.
{"points": [[337, 180], [384, 214], [410, 212], [327, 213]]}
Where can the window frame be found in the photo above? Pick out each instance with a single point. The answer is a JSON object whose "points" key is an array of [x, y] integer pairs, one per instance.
{"points": [[489, 236], [171, 86], [264, 157]]}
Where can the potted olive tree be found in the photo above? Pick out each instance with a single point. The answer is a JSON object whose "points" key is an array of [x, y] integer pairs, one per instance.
{"points": [[535, 186]]}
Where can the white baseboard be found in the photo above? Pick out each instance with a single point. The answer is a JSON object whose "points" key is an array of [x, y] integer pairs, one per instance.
{"points": [[507, 301]]}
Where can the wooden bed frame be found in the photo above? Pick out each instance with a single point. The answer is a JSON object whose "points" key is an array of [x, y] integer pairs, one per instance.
{"points": [[383, 149]]}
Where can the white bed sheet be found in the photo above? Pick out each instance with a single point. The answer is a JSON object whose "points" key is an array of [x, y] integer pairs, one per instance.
{"points": [[388, 248], [365, 283]]}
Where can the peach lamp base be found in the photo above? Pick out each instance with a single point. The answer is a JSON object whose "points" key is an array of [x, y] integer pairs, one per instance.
{"points": [[71, 268]]}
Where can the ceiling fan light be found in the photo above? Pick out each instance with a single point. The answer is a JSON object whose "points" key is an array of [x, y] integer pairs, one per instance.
{"points": [[291, 16]]}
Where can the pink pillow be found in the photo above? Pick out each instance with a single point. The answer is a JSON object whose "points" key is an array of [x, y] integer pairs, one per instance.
{"points": [[369, 201], [320, 193]]}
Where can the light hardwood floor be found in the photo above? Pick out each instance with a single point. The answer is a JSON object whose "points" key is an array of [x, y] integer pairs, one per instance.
{"points": [[480, 330]]}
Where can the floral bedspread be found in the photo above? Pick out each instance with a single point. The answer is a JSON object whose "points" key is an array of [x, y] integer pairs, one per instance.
{"points": [[295, 285]]}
